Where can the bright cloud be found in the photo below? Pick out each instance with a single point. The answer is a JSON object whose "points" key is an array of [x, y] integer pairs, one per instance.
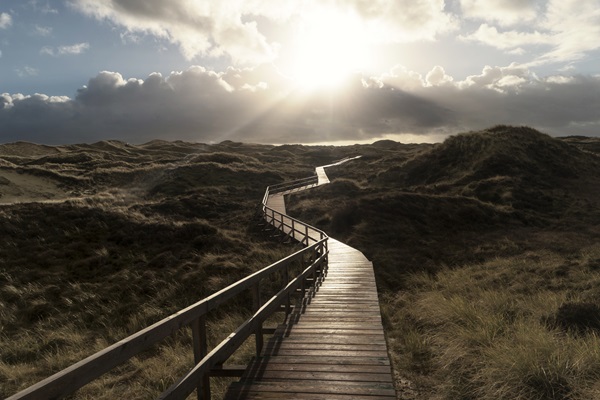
{"points": [[403, 20], [438, 77], [198, 28], [505, 12], [77, 48], [490, 36], [568, 29], [575, 26], [42, 6], [42, 30], [5, 20], [231, 27], [26, 71]]}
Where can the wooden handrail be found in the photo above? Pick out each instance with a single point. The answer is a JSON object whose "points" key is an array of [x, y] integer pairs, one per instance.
{"points": [[74, 377], [298, 183], [289, 185], [223, 351]]}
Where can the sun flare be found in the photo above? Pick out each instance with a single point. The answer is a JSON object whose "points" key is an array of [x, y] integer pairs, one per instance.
{"points": [[330, 46]]}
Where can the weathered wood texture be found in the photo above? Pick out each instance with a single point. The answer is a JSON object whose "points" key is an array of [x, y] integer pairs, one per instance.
{"points": [[332, 345]]}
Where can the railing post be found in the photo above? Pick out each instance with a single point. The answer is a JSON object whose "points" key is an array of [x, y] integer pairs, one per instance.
{"points": [[291, 232], [303, 283], [281, 227], [314, 282], [286, 280], [200, 350], [326, 250], [258, 333], [306, 234]]}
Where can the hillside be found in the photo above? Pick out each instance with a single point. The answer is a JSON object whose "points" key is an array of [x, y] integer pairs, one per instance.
{"points": [[103, 239], [515, 167], [485, 250]]}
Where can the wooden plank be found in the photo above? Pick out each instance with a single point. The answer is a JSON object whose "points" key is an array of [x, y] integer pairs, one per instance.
{"points": [[339, 339], [343, 299], [290, 376], [326, 353], [236, 394], [328, 360], [339, 312], [329, 320], [334, 319], [290, 389], [344, 308], [326, 346], [339, 330], [275, 365]]}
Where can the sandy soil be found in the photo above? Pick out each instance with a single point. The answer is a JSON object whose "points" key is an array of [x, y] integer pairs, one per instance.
{"points": [[23, 188]]}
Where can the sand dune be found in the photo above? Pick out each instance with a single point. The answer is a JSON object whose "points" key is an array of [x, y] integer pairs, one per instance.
{"points": [[18, 187]]}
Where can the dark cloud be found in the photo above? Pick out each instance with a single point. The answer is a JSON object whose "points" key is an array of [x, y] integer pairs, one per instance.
{"points": [[259, 105], [556, 105]]}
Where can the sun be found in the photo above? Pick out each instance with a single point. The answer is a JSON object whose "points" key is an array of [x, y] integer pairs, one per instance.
{"points": [[329, 46]]}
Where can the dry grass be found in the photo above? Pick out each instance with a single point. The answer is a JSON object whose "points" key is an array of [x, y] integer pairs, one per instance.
{"points": [[485, 250], [481, 331], [161, 227]]}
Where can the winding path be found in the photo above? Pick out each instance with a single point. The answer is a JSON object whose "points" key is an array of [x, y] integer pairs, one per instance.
{"points": [[332, 348]]}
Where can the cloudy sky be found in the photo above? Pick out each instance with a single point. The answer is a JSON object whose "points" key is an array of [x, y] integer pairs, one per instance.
{"points": [[301, 71]]}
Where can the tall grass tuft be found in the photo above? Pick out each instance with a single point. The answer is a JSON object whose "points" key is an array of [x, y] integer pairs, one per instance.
{"points": [[482, 331]]}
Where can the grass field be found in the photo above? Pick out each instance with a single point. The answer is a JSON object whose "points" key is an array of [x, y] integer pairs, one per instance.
{"points": [[485, 250]]}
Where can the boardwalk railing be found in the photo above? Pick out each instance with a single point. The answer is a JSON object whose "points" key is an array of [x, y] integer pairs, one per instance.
{"points": [[291, 185], [313, 260], [291, 227]]}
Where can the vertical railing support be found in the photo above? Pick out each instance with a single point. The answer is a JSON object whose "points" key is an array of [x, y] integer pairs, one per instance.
{"points": [[286, 280], [200, 342], [303, 284], [325, 251], [258, 333]]}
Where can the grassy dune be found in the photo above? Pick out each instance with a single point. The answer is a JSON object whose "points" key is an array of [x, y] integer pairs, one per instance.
{"points": [[485, 249], [119, 237], [486, 253]]}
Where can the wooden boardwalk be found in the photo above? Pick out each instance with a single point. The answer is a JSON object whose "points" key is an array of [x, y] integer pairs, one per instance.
{"points": [[332, 347]]}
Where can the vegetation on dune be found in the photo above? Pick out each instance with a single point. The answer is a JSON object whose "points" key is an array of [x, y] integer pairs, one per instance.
{"points": [[146, 233], [485, 250], [522, 327], [516, 167]]}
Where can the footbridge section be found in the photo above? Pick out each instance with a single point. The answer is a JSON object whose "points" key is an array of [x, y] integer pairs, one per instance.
{"points": [[333, 345]]}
